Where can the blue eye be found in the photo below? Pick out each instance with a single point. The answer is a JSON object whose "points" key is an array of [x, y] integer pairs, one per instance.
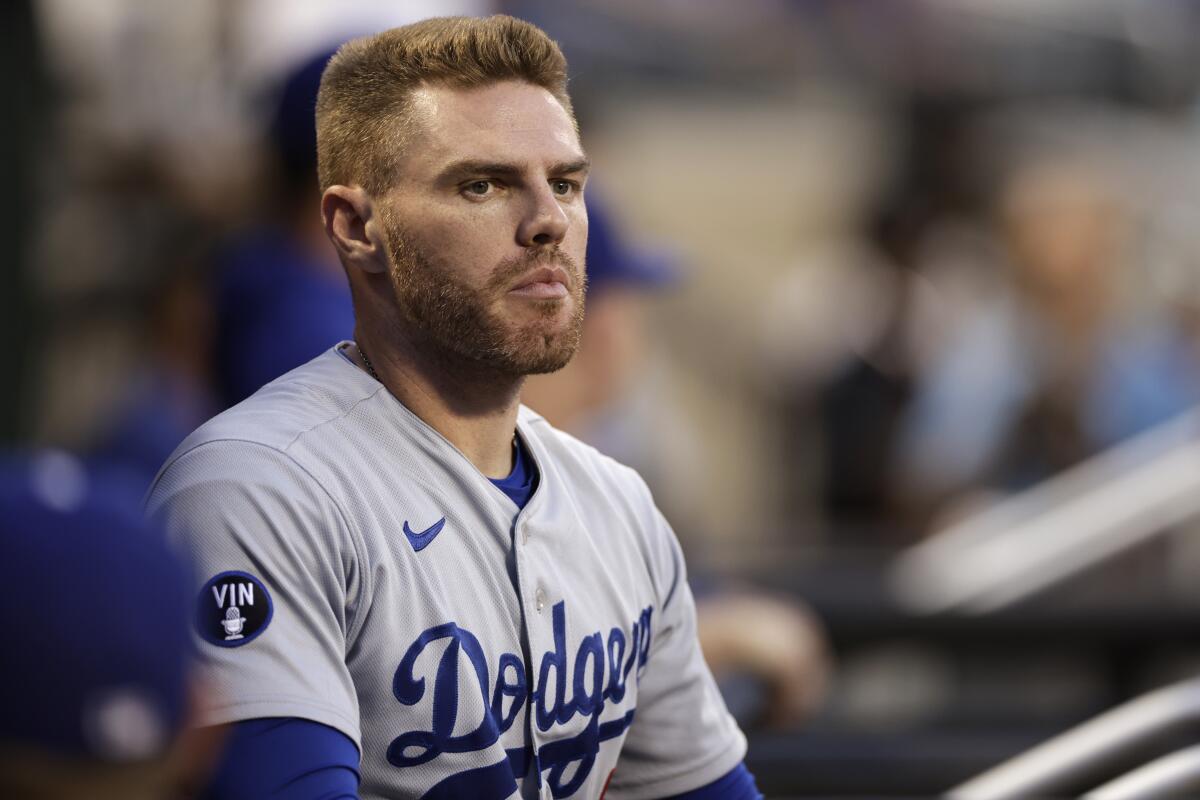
{"points": [[562, 187], [479, 187]]}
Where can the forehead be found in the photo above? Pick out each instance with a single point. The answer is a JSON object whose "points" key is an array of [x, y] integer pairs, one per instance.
{"points": [[510, 121]]}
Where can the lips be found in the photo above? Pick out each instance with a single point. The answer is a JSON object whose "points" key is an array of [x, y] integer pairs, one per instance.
{"points": [[545, 282]]}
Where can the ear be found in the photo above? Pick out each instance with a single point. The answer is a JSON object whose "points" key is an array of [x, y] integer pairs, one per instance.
{"points": [[351, 224]]}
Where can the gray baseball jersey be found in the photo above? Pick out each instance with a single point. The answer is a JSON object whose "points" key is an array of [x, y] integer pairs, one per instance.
{"points": [[359, 571]]}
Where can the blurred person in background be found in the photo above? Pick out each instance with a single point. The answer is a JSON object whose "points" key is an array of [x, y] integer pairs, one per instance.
{"points": [[171, 389], [213, 321], [282, 274], [984, 339], [840, 339], [95, 680], [769, 654], [1056, 365]]}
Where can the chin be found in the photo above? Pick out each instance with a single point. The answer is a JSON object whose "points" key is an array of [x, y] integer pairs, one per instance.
{"points": [[550, 362], [540, 352]]}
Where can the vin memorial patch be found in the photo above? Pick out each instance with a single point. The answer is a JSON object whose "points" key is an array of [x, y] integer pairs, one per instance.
{"points": [[233, 608]]}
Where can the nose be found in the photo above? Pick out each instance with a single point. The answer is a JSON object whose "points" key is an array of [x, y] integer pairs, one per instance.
{"points": [[545, 221]]}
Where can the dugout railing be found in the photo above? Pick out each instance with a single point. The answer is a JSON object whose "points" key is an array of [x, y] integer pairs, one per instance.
{"points": [[1131, 737]]}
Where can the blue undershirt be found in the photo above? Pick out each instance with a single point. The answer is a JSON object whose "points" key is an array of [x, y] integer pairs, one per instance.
{"points": [[288, 759], [298, 759], [522, 481]]}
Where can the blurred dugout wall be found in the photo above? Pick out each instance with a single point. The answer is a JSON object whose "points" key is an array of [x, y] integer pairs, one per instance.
{"points": [[23, 95]]}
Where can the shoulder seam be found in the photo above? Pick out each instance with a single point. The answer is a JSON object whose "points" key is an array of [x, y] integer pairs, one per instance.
{"points": [[342, 415]]}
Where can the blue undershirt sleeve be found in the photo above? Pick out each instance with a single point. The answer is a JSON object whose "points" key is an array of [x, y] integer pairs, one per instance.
{"points": [[738, 784], [286, 759]]}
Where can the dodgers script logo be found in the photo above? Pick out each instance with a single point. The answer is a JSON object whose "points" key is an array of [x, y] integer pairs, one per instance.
{"points": [[598, 674]]}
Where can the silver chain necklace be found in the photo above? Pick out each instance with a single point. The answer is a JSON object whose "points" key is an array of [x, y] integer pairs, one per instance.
{"points": [[367, 361]]}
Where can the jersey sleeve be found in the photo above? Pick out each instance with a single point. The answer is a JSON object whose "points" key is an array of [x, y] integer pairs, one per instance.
{"points": [[682, 737], [276, 579]]}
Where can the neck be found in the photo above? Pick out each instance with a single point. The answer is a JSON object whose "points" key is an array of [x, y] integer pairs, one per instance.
{"points": [[473, 406]]}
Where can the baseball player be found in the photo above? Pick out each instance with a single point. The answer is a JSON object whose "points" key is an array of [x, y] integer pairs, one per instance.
{"points": [[415, 587]]}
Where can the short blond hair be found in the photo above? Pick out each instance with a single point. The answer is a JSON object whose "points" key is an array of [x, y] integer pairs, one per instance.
{"points": [[363, 103]]}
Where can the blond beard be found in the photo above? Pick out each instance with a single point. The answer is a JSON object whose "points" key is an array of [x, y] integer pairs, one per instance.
{"points": [[459, 321]]}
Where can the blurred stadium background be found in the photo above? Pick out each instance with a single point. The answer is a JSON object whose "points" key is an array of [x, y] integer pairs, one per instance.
{"points": [[932, 262]]}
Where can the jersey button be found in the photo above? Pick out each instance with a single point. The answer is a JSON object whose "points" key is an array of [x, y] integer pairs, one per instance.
{"points": [[540, 598]]}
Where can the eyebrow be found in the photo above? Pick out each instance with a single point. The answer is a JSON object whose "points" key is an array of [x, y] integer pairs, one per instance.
{"points": [[460, 169]]}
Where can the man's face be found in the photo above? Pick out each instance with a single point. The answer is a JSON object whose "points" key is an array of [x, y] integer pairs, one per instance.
{"points": [[486, 227]]}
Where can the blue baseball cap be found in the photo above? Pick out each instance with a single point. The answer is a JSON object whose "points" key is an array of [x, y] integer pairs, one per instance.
{"points": [[613, 261], [292, 130], [95, 612]]}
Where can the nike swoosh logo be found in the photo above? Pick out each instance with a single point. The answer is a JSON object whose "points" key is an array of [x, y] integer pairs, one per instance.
{"points": [[420, 541]]}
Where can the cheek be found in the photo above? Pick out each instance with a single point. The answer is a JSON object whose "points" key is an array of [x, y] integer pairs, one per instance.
{"points": [[461, 252], [461, 239]]}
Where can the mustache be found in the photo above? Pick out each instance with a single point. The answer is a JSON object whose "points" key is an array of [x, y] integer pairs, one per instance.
{"points": [[510, 269]]}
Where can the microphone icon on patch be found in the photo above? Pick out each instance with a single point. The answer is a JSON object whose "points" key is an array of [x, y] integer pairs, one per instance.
{"points": [[233, 623]]}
